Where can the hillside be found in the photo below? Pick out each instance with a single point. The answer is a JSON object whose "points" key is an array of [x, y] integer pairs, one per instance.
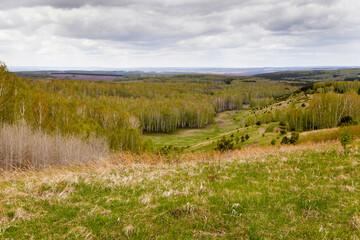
{"points": [[298, 192]]}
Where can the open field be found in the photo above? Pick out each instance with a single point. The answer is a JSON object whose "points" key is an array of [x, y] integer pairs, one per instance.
{"points": [[223, 124], [293, 192]]}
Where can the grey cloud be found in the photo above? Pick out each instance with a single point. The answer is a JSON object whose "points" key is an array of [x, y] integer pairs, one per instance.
{"points": [[181, 26], [8, 4]]}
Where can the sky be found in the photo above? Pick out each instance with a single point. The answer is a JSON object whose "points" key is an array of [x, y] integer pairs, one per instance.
{"points": [[179, 33]]}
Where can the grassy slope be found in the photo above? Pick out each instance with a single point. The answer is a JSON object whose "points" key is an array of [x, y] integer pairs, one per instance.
{"points": [[305, 191], [188, 137], [226, 123]]}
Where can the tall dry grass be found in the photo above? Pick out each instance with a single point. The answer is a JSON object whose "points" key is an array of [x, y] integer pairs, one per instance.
{"points": [[328, 134], [22, 147]]}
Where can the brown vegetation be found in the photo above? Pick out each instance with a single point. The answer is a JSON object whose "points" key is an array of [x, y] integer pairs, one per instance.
{"points": [[21, 147]]}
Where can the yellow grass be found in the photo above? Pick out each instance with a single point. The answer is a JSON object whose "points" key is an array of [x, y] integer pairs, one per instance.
{"points": [[128, 160]]}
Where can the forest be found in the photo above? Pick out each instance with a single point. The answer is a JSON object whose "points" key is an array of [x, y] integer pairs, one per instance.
{"points": [[121, 111]]}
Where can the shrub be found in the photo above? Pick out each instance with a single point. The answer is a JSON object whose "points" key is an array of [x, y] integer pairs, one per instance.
{"points": [[283, 132], [247, 136], [224, 144], [346, 121], [282, 123], [346, 138], [273, 142], [166, 149], [294, 138], [285, 140]]}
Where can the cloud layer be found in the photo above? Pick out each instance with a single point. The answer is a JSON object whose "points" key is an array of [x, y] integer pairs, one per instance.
{"points": [[158, 33]]}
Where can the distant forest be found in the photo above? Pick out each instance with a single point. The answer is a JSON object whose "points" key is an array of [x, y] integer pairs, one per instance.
{"points": [[349, 74]]}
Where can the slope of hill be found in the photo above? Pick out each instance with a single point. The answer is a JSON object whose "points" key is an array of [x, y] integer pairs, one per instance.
{"points": [[298, 192]]}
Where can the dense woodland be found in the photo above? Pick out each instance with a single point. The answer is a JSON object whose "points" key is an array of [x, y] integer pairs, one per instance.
{"points": [[121, 111]]}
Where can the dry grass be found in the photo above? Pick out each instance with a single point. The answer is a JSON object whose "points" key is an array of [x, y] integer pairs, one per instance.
{"points": [[21, 147], [268, 192], [128, 160], [331, 134]]}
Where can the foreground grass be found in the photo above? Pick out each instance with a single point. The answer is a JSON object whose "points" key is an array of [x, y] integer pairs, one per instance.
{"points": [[307, 191]]}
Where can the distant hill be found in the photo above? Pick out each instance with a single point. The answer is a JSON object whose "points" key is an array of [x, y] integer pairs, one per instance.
{"points": [[267, 72], [86, 75], [347, 74]]}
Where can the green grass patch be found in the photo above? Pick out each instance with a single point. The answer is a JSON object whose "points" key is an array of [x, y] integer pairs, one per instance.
{"points": [[224, 123], [307, 194]]}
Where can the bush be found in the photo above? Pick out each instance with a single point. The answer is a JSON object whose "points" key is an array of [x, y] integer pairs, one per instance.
{"points": [[283, 132], [283, 124], [346, 121], [346, 138], [167, 149], [273, 142], [258, 123], [247, 136], [285, 140], [294, 138], [224, 144]]}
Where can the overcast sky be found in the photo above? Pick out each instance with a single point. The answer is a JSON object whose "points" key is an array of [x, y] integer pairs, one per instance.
{"points": [[180, 33]]}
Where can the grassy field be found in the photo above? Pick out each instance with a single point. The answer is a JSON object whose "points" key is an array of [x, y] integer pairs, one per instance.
{"points": [[224, 124], [309, 191], [205, 139]]}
